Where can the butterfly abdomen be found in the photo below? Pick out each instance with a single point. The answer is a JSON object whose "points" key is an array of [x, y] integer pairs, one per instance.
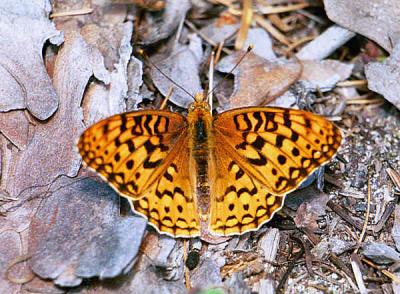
{"points": [[200, 137]]}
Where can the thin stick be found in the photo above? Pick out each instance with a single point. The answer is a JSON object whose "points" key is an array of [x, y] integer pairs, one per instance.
{"points": [[245, 23], [353, 83], [185, 255], [205, 37], [166, 99], [72, 12], [282, 9], [211, 81], [218, 53], [180, 27], [298, 43], [236, 65], [394, 176], [385, 272]]}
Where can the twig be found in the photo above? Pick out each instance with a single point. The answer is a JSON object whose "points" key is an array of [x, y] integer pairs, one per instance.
{"points": [[342, 212], [394, 176], [290, 268], [386, 214], [166, 99], [353, 83], [71, 12], [271, 29], [205, 37], [298, 43], [185, 255], [282, 9], [245, 23], [355, 264], [387, 273], [260, 20]]}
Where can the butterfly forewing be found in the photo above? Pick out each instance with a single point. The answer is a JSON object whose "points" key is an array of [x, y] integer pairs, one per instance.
{"points": [[131, 150], [278, 147]]}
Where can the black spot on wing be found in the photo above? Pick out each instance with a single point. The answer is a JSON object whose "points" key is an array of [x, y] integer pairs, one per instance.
{"points": [[262, 160], [257, 117], [279, 141], [147, 124], [258, 143]]}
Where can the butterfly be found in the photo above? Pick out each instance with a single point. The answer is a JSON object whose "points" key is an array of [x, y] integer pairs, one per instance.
{"points": [[221, 175]]}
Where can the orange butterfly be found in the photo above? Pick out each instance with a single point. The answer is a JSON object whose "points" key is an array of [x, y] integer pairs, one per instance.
{"points": [[197, 175]]}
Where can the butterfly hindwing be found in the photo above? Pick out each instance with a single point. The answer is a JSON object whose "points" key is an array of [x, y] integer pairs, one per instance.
{"points": [[278, 147], [240, 203], [131, 150], [169, 204]]}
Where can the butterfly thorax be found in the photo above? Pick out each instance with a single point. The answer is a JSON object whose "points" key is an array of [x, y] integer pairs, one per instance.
{"points": [[201, 142]]}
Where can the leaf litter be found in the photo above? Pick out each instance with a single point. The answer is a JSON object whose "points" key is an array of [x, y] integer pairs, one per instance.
{"points": [[69, 229]]}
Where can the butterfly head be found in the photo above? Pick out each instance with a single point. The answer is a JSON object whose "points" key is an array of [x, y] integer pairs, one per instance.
{"points": [[200, 104]]}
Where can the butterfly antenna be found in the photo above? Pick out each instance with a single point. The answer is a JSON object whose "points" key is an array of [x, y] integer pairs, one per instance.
{"points": [[141, 52], [230, 72], [210, 81]]}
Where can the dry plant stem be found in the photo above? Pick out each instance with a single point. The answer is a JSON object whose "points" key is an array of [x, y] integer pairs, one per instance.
{"points": [[387, 273], [356, 266], [354, 83], [364, 101], [180, 27], [340, 211], [279, 23], [290, 268], [218, 53], [71, 12], [260, 20], [205, 38], [298, 43], [387, 213], [245, 23], [314, 239], [185, 255], [271, 29], [282, 9], [394, 176], [169, 94]]}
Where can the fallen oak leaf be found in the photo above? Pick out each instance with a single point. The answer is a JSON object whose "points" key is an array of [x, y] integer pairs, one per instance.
{"points": [[51, 150], [78, 233], [257, 81], [24, 28]]}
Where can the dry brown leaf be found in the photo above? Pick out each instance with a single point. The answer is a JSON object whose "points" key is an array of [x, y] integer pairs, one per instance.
{"points": [[383, 78], [158, 26], [78, 233], [51, 151], [181, 64], [24, 28], [376, 20], [102, 100], [324, 74], [257, 81]]}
